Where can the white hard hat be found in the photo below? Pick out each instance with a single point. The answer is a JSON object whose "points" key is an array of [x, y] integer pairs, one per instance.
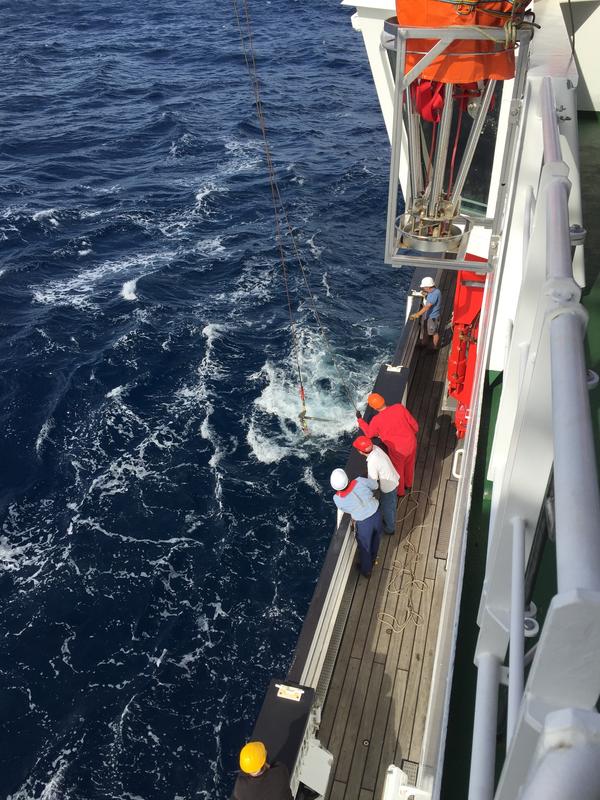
{"points": [[427, 283], [338, 479]]}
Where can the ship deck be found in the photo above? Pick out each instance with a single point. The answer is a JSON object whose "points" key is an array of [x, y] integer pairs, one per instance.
{"points": [[374, 713]]}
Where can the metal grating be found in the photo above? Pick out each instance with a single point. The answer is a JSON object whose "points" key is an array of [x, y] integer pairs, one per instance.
{"points": [[336, 638], [410, 768], [443, 540]]}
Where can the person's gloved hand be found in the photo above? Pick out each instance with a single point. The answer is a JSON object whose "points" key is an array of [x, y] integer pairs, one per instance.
{"points": [[358, 414], [414, 316]]}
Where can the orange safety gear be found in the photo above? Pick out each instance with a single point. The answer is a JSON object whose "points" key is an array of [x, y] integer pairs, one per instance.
{"points": [[397, 428], [463, 61], [253, 757], [376, 401], [363, 444]]}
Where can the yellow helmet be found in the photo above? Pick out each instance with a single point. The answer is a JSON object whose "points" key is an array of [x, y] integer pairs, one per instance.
{"points": [[253, 757]]}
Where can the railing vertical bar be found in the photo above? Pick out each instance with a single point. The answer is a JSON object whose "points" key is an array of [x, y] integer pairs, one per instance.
{"points": [[576, 501], [576, 496], [483, 755], [552, 151], [517, 641], [390, 238]]}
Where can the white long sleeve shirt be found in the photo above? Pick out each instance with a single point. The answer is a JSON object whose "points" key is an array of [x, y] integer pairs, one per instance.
{"points": [[380, 468]]}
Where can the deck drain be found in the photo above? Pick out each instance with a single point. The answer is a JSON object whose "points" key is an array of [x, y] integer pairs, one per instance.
{"points": [[366, 742], [411, 769]]}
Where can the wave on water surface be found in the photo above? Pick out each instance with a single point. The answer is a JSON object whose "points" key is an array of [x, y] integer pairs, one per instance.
{"points": [[163, 515]]}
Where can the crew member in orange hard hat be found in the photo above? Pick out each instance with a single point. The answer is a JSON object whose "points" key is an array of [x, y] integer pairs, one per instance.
{"points": [[397, 429], [259, 780], [381, 469]]}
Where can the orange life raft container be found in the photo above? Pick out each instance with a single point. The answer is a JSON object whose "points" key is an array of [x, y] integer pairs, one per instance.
{"points": [[463, 61]]}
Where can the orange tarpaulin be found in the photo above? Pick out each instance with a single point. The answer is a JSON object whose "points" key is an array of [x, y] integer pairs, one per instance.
{"points": [[462, 62]]}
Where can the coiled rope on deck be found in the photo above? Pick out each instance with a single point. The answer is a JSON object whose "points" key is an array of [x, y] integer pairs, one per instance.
{"points": [[401, 571], [244, 25]]}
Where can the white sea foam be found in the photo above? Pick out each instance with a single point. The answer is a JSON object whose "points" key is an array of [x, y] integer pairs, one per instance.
{"points": [[309, 478], [205, 191], [211, 248], [10, 555], [179, 147], [117, 392], [128, 290], [90, 214], [198, 394], [314, 248], [330, 412], [78, 291], [43, 435], [48, 215], [264, 447], [246, 155], [255, 286]]}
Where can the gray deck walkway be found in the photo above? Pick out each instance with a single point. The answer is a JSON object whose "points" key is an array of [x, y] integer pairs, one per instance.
{"points": [[374, 714]]}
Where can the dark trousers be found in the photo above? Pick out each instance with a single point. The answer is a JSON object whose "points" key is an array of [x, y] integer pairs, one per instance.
{"points": [[368, 536], [387, 505]]}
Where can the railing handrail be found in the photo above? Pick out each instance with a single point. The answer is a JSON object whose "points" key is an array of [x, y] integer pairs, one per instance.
{"points": [[556, 364]]}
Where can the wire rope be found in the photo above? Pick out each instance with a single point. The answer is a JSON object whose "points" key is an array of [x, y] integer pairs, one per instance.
{"points": [[280, 210], [248, 51]]}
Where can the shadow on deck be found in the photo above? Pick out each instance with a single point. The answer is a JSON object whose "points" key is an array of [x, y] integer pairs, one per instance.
{"points": [[374, 713]]}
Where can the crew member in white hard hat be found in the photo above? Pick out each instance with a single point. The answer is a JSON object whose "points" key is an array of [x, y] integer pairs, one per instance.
{"points": [[431, 310], [356, 498]]}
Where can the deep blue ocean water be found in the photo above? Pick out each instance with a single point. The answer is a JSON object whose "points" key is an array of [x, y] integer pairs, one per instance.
{"points": [[163, 518]]}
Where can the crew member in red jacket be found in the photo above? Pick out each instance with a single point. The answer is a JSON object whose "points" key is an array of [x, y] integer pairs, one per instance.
{"points": [[397, 428]]}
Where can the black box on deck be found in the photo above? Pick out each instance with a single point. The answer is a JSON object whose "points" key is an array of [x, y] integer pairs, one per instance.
{"points": [[282, 721]]}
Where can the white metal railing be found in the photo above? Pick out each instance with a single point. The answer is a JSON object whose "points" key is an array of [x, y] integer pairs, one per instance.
{"points": [[550, 407]]}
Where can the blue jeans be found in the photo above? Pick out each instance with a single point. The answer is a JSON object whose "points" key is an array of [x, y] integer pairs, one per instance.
{"points": [[368, 536], [387, 504]]}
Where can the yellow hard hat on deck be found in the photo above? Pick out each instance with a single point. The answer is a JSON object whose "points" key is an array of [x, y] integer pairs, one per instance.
{"points": [[253, 757]]}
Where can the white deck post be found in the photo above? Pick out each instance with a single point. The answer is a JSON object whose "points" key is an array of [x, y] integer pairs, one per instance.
{"points": [[481, 779], [517, 640]]}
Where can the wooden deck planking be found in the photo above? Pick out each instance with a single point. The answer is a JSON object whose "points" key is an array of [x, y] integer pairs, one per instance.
{"points": [[427, 668], [337, 791], [342, 709], [417, 643], [446, 445], [359, 703], [381, 681], [363, 734], [372, 598], [385, 727]]}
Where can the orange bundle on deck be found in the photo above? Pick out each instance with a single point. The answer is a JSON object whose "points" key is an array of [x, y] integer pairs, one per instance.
{"points": [[463, 61]]}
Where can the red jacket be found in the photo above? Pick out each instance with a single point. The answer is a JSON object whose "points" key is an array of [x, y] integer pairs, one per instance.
{"points": [[395, 426]]}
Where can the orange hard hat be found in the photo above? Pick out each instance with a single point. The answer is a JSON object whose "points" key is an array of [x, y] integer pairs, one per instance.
{"points": [[253, 757], [363, 444], [376, 401]]}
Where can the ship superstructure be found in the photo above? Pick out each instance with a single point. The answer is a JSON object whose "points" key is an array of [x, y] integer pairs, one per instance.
{"points": [[364, 711]]}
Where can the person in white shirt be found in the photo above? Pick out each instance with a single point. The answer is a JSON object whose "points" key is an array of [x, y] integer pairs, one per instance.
{"points": [[381, 469]]}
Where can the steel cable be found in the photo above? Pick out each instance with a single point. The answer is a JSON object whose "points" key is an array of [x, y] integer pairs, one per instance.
{"points": [[246, 39]]}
